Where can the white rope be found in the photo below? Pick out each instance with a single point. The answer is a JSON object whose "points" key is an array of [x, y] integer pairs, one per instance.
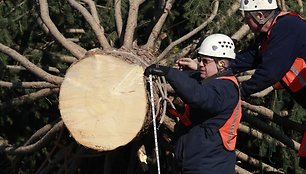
{"points": [[154, 123]]}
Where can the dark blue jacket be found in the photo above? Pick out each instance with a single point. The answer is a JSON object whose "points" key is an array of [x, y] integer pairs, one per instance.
{"points": [[199, 148], [287, 41]]}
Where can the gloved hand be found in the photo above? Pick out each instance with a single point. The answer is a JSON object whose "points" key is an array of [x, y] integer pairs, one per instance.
{"points": [[155, 69]]}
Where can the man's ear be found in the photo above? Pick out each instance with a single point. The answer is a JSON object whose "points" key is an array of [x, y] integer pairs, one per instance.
{"points": [[221, 64], [260, 16]]}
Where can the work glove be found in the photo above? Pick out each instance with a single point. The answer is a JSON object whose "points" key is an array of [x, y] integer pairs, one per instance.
{"points": [[156, 69]]}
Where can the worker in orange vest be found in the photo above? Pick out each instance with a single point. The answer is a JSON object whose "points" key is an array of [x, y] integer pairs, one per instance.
{"points": [[277, 55], [207, 140]]}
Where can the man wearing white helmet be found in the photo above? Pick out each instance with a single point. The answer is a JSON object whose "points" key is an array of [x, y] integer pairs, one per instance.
{"points": [[278, 53], [207, 133]]}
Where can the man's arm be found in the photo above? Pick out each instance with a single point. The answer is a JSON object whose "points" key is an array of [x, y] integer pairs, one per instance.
{"points": [[276, 61], [209, 97], [246, 59]]}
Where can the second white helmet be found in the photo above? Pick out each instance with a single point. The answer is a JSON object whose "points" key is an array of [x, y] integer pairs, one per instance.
{"points": [[253, 5], [218, 45]]}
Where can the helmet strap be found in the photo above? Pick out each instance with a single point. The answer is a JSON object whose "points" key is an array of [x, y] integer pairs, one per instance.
{"points": [[262, 21]]}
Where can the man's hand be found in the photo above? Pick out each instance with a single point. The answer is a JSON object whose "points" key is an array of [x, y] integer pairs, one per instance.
{"points": [[156, 69], [187, 63]]}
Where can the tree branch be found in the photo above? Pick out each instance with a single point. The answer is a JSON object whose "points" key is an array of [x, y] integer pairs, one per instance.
{"points": [[16, 68], [271, 131], [65, 58], [131, 23], [229, 13], [129, 55], [36, 85], [241, 33], [98, 30], [255, 133], [29, 97], [193, 32], [267, 113], [75, 49], [158, 26], [183, 52], [282, 5], [9, 149], [300, 3], [263, 92], [240, 170], [40, 133], [118, 17], [244, 157], [30, 66], [93, 10]]}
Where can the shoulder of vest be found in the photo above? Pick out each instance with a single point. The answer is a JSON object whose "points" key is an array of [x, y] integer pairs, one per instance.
{"points": [[231, 78]]}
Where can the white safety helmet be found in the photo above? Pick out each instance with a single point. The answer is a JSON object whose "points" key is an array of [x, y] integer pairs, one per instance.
{"points": [[218, 45], [254, 5]]}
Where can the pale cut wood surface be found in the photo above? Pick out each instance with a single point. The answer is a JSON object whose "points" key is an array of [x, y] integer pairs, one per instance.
{"points": [[103, 101]]}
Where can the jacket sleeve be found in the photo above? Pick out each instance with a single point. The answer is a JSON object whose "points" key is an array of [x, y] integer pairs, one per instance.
{"points": [[212, 97], [281, 52], [246, 59]]}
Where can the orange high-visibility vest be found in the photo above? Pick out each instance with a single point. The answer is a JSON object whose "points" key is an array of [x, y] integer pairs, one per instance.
{"points": [[302, 150], [295, 78], [228, 131], [184, 117]]}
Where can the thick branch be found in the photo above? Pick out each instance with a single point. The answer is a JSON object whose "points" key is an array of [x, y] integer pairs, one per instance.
{"points": [[263, 92], [157, 28], [183, 53], [190, 34], [65, 58], [9, 149], [131, 23], [29, 97], [282, 5], [243, 78], [129, 55], [36, 85], [39, 133], [229, 13], [241, 33], [300, 2], [118, 17], [267, 113], [75, 49], [19, 68], [255, 133], [244, 157], [93, 10], [255, 122], [30, 66], [98, 30], [240, 170]]}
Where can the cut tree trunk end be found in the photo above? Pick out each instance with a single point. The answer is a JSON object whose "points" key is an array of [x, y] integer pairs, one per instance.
{"points": [[103, 102]]}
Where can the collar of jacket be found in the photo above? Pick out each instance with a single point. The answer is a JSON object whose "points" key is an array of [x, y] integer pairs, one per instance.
{"points": [[227, 72]]}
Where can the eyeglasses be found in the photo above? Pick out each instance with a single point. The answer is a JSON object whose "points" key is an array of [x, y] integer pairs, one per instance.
{"points": [[205, 60]]}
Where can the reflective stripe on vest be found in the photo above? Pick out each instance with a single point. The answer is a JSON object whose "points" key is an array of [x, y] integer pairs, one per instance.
{"points": [[228, 131], [295, 78], [302, 150]]}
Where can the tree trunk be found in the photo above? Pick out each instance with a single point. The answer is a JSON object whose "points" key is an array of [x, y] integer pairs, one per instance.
{"points": [[103, 101]]}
